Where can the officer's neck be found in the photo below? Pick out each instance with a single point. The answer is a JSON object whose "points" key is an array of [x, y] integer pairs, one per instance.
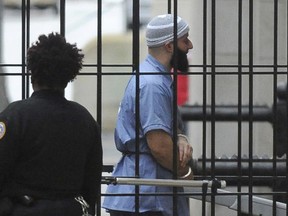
{"points": [[37, 87]]}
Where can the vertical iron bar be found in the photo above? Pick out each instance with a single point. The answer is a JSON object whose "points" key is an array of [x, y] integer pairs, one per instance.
{"points": [[99, 63], [275, 62], [286, 179], [169, 6], [213, 99], [175, 116], [27, 46], [204, 126], [23, 69], [99, 82], [250, 142], [135, 50], [1, 32], [62, 17], [239, 104]]}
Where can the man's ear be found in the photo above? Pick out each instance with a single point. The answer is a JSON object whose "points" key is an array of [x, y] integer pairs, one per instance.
{"points": [[169, 47]]}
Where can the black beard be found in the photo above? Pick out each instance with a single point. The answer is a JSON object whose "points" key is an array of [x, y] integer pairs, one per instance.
{"points": [[182, 61]]}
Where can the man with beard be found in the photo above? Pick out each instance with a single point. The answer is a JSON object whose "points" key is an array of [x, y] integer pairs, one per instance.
{"points": [[155, 119]]}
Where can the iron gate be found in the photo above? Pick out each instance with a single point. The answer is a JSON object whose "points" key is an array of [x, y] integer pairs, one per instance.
{"points": [[236, 115]]}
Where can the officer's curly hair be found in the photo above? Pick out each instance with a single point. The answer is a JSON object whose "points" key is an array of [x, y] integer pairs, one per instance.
{"points": [[53, 62]]}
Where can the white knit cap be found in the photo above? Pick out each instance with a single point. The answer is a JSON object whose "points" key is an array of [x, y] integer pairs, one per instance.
{"points": [[160, 30]]}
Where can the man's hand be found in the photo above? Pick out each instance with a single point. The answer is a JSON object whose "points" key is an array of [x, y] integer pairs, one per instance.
{"points": [[161, 146], [185, 150]]}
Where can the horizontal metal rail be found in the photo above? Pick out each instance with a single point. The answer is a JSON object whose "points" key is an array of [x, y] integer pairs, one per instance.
{"points": [[164, 182], [228, 169], [226, 113], [260, 167], [196, 189]]}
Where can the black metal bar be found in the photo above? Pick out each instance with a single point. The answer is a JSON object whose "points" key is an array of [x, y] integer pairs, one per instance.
{"points": [[1, 33], [175, 111], [239, 132], [27, 46], [251, 60], [286, 93], [169, 6], [275, 121], [229, 167], [226, 113], [23, 49], [232, 66], [99, 62], [62, 17], [204, 125], [213, 98], [175, 84], [136, 54], [99, 80]]}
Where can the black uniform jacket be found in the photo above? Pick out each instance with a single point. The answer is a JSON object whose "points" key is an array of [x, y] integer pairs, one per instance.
{"points": [[50, 148]]}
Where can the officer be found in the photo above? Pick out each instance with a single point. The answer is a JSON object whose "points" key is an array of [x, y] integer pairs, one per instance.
{"points": [[50, 147]]}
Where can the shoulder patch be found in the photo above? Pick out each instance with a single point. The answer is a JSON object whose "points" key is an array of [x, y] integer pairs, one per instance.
{"points": [[2, 130]]}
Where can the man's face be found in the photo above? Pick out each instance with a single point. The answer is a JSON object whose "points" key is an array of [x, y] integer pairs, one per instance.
{"points": [[183, 46]]}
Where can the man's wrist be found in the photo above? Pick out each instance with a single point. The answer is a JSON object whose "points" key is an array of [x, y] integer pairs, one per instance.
{"points": [[187, 174], [183, 136]]}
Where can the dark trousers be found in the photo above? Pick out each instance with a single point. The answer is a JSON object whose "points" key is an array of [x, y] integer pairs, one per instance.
{"points": [[64, 207], [123, 213]]}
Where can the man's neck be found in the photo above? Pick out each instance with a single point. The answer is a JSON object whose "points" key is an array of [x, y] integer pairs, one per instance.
{"points": [[162, 58]]}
